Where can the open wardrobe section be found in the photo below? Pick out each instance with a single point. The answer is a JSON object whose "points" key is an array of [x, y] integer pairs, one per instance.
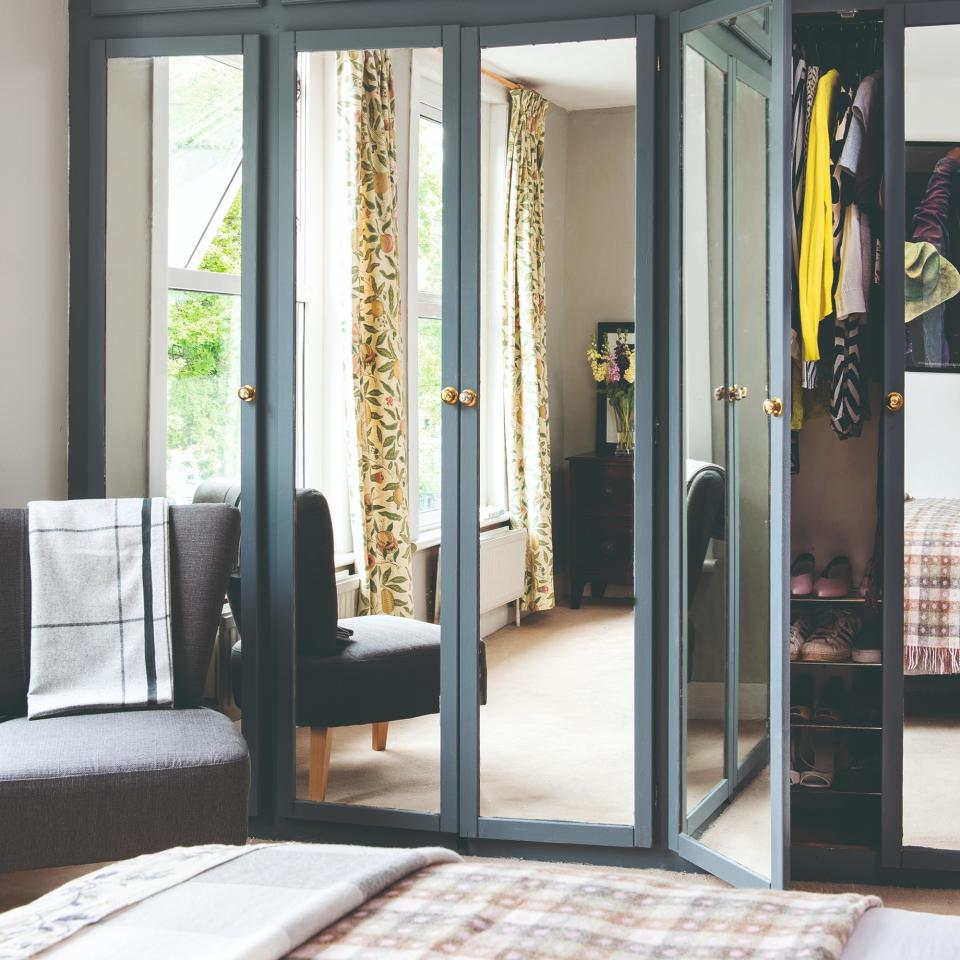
{"points": [[836, 349]]}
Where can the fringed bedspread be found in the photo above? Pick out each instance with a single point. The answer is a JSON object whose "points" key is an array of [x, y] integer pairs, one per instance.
{"points": [[483, 910], [931, 586]]}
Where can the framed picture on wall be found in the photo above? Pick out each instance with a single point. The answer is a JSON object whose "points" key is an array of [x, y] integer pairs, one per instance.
{"points": [[607, 431]]}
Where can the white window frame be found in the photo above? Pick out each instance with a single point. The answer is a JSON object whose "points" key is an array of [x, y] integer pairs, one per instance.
{"points": [[426, 101], [164, 278]]}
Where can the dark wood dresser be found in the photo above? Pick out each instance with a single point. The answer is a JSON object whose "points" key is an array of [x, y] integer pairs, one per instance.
{"points": [[601, 523]]}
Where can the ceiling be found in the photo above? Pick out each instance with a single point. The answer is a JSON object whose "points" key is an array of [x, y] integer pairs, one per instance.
{"points": [[592, 75]]}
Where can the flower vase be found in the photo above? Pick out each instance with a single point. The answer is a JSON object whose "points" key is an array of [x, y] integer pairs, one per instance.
{"points": [[623, 411]]}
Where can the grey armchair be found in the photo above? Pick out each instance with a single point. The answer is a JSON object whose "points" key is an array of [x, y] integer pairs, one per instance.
{"points": [[83, 789]]}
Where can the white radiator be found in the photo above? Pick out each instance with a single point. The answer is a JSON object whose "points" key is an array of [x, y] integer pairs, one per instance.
{"points": [[502, 569], [502, 566], [348, 591]]}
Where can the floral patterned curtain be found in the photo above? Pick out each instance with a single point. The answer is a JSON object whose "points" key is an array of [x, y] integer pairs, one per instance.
{"points": [[366, 113], [524, 346]]}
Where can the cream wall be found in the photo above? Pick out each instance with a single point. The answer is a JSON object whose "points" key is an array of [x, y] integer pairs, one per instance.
{"points": [[598, 254], [589, 248], [33, 251]]}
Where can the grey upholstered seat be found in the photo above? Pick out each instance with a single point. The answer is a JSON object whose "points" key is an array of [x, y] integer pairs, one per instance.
{"points": [[103, 786]]}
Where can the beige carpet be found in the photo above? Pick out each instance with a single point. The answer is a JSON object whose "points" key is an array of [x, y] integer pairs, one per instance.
{"points": [[556, 734], [705, 753], [931, 778]]}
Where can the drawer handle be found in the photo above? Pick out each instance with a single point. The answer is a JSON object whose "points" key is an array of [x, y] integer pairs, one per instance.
{"points": [[607, 547], [608, 489]]}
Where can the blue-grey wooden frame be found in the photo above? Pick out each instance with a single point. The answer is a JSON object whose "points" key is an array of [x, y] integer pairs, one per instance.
{"points": [[87, 470], [472, 824], [682, 22], [292, 44]]}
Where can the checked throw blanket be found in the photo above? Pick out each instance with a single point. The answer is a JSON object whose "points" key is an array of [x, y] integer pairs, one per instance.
{"points": [[100, 606]]}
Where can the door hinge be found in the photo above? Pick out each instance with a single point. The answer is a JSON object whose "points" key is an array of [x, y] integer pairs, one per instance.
{"points": [[656, 796], [658, 63]]}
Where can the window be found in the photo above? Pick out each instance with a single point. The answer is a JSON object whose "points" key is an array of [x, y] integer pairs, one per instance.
{"points": [[426, 320], [198, 141]]}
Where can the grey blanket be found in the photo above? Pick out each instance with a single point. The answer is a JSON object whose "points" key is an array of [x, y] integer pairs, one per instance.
{"points": [[221, 903], [100, 606]]}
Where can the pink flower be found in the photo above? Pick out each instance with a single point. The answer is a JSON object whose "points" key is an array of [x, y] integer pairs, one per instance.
{"points": [[613, 371]]}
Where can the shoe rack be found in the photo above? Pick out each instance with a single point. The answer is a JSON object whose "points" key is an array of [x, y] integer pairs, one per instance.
{"points": [[847, 813]]}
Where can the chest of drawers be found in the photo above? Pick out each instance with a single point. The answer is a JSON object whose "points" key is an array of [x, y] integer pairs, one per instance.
{"points": [[600, 523]]}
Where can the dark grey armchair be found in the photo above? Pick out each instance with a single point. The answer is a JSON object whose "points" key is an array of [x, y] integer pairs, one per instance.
{"points": [[83, 789], [355, 671]]}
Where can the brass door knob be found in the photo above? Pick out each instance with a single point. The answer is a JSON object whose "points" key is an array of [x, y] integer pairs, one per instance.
{"points": [[720, 393], [247, 393], [449, 395], [737, 392], [773, 407], [895, 401], [469, 397]]}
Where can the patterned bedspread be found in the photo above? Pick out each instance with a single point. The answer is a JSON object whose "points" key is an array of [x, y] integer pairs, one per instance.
{"points": [[532, 911], [931, 586]]}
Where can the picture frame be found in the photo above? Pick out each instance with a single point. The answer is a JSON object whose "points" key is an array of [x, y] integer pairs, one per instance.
{"points": [[606, 438]]}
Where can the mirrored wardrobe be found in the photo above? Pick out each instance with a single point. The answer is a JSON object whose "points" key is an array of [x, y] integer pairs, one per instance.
{"points": [[557, 367], [471, 442], [931, 390], [726, 466], [178, 302], [371, 427]]}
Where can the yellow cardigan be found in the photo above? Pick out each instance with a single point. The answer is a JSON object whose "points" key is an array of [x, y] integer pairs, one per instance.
{"points": [[815, 283]]}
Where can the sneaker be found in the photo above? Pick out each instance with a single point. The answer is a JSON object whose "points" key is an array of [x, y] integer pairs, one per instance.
{"points": [[832, 637], [868, 643], [800, 629]]}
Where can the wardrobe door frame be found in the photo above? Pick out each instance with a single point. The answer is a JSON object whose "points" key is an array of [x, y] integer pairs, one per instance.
{"points": [[88, 334], [288, 805], [897, 18], [682, 22], [472, 824]]}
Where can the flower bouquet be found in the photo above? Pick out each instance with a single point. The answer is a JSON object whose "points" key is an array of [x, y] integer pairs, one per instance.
{"points": [[614, 368]]}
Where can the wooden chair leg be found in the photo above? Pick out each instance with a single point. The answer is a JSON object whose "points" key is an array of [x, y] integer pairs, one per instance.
{"points": [[321, 740], [379, 737]]}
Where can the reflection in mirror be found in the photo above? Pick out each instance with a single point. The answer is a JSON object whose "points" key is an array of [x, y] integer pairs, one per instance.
{"points": [[174, 159], [556, 430], [931, 625], [726, 638], [369, 323]]}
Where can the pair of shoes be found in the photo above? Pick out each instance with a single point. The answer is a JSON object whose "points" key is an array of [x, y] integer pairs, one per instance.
{"points": [[812, 759], [835, 580], [829, 707], [831, 640]]}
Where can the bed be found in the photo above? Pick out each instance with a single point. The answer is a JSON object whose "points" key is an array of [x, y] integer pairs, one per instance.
{"points": [[931, 586], [316, 902]]}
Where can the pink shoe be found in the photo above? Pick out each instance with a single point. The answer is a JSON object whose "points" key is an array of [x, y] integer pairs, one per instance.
{"points": [[835, 581], [801, 575]]}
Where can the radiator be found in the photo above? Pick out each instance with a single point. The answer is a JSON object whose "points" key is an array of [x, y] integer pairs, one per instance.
{"points": [[502, 566], [348, 591]]}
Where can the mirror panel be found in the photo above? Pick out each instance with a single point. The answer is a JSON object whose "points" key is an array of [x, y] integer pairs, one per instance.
{"points": [[931, 625], [174, 158], [558, 162], [725, 646], [369, 336]]}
